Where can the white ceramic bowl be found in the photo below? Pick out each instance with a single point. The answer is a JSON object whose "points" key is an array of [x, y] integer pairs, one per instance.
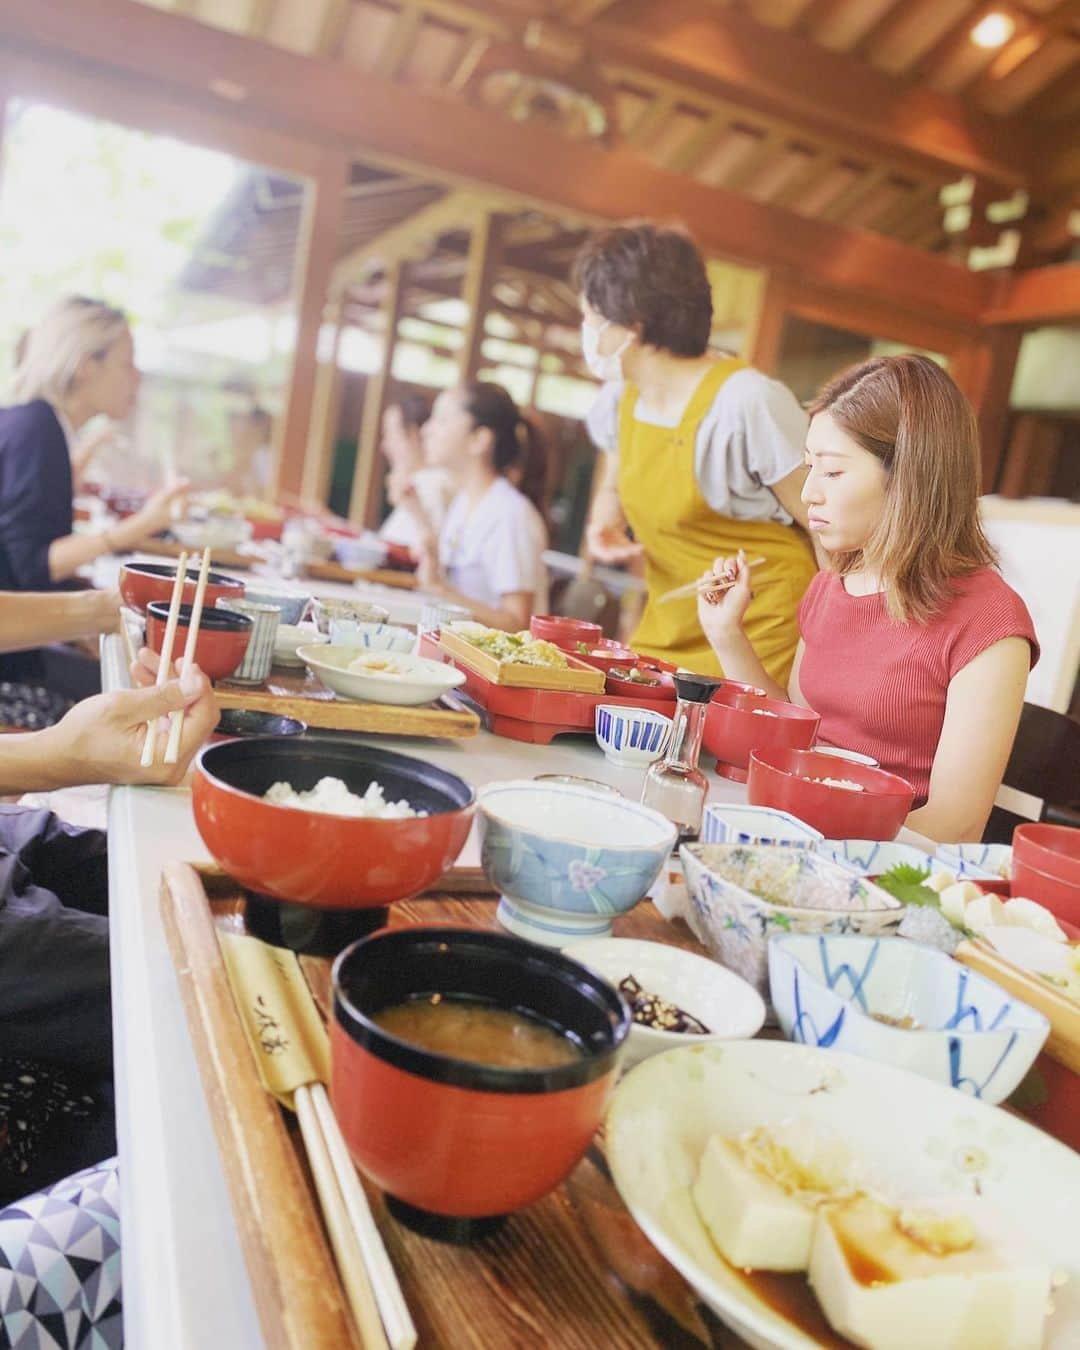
{"points": [[728, 885], [631, 736], [288, 640], [215, 532], [728, 824], [326, 608], [871, 857], [371, 637], [905, 1135], [971, 1034], [986, 862], [422, 681], [718, 999], [567, 859]]}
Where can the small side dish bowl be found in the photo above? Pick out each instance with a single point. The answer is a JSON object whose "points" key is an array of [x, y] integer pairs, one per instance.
{"points": [[653, 685], [326, 608], [724, 823], [605, 654], [393, 677], [565, 633], [140, 583], [566, 860], [221, 642], [793, 780], [631, 736], [457, 1144], [871, 857], [320, 858], [1054, 849], [976, 862], [288, 640], [738, 722], [291, 605], [719, 999], [900, 1003], [372, 637], [742, 897]]}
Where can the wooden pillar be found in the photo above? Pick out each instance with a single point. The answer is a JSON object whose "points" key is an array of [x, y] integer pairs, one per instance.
{"points": [[484, 249], [319, 247], [764, 341], [326, 410], [984, 370], [364, 498]]}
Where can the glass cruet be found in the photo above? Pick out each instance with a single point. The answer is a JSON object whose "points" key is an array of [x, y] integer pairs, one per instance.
{"points": [[674, 785]]}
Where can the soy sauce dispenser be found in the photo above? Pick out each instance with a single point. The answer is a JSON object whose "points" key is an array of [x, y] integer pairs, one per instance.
{"points": [[674, 785]]}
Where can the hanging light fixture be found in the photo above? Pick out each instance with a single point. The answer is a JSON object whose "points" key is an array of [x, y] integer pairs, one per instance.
{"points": [[993, 30]]}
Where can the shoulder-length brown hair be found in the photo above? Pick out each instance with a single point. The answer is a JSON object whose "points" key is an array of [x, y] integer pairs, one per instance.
{"points": [[909, 413]]}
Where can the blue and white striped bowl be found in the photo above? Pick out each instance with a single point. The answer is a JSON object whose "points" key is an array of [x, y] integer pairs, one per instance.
{"points": [[724, 823], [985, 862], [631, 735], [829, 990], [872, 857]]}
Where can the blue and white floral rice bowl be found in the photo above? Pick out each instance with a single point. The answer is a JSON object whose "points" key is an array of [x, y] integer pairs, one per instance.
{"points": [[742, 896], [724, 823], [968, 1032], [634, 736], [871, 857], [565, 859]]}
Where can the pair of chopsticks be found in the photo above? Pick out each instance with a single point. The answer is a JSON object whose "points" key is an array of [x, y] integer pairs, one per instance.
{"points": [[702, 585], [294, 1063], [176, 719]]}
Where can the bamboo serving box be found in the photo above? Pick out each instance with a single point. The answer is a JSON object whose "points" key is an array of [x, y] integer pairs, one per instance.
{"points": [[577, 678]]}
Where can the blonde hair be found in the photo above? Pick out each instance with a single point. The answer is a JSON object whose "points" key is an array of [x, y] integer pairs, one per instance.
{"points": [[49, 356], [910, 414]]}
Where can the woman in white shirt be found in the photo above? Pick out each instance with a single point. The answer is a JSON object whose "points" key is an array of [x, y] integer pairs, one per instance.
{"points": [[402, 448], [489, 553]]}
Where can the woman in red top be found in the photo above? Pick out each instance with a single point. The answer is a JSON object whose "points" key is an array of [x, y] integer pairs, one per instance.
{"points": [[912, 648]]}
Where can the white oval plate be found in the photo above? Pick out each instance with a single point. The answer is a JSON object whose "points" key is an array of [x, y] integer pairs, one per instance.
{"points": [[907, 1136], [423, 680]]}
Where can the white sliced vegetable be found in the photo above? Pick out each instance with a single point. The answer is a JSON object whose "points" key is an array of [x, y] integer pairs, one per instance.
{"points": [[954, 900], [937, 881], [984, 912], [1026, 913]]}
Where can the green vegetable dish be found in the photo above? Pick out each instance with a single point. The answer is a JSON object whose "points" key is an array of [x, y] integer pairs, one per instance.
{"points": [[520, 648]]}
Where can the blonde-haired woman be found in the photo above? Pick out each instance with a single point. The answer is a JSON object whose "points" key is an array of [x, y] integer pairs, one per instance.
{"points": [[77, 363], [912, 648]]}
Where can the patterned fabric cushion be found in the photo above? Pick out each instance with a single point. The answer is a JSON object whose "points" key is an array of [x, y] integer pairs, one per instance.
{"points": [[60, 1266]]}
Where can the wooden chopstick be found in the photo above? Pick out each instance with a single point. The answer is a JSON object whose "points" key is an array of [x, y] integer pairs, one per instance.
{"points": [[703, 584], [345, 1242], [165, 661], [399, 1327], [125, 637], [176, 719]]}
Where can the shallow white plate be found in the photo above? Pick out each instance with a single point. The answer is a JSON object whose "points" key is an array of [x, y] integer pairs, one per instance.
{"points": [[288, 640], [908, 1137], [423, 680], [719, 999]]}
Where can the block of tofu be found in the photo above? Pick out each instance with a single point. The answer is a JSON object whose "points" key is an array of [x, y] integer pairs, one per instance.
{"points": [[757, 1200], [888, 1279]]}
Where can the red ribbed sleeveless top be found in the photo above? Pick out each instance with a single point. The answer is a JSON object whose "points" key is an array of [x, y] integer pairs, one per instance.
{"points": [[880, 686]]}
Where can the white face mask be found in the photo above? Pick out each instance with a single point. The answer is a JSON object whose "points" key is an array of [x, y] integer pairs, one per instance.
{"points": [[604, 368]]}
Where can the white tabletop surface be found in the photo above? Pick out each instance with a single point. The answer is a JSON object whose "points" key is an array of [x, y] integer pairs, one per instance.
{"points": [[185, 1281]]}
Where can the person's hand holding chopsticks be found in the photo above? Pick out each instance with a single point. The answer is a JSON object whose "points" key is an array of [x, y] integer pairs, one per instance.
{"points": [[721, 606], [101, 739]]}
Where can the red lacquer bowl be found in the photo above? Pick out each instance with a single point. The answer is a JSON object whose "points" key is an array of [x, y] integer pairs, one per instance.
{"points": [[785, 779], [1061, 898], [565, 633], [221, 642], [1054, 849], [262, 528], [456, 1144], [314, 858], [662, 690], [142, 583], [607, 653], [733, 728]]}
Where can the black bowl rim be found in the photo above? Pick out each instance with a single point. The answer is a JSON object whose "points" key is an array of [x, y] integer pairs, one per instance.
{"points": [[221, 620], [464, 1073], [252, 743], [167, 572], [225, 713]]}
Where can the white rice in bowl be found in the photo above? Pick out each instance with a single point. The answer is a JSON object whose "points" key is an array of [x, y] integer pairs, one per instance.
{"points": [[331, 796]]}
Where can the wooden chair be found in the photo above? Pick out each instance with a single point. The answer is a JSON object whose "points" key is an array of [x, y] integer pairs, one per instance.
{"points": [[1045, 763]]}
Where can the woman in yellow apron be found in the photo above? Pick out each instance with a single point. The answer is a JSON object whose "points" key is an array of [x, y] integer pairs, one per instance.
{"points": [[707, 453]]}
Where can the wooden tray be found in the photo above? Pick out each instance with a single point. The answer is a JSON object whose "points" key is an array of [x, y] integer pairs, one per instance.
{"points": [[301, 694], [224, 559], [572, 1272], [382, 576], [578, 678], [1063, 1043]]}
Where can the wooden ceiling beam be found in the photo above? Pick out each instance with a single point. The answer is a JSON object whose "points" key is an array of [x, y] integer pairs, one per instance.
{"points": [[724, 54], [463, 145], [1041, 295]]}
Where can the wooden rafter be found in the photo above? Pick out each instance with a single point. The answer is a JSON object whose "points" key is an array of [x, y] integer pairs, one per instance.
{"points": [[1041, 295]]}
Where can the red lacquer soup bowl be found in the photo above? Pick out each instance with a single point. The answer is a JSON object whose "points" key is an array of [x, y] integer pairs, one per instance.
{"points": [[790, 780], [220, 644], [315, 857], [457, 1144], [565, 633], [739, 720], [140, 583]]}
